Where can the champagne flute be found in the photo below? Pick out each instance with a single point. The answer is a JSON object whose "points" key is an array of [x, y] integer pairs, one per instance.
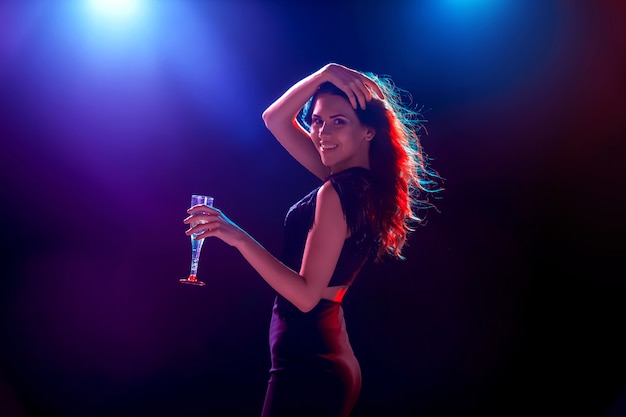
{"points": [[196, 244]]}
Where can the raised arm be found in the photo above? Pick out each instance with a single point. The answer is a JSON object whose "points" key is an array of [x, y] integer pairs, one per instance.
{"points": [[280, 116], [280, 119], [304, 288]]}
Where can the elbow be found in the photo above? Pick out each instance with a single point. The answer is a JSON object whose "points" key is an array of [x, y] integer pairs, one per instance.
{"points": [[267, 118], [308, 304], [305, 308], [274, 121]]}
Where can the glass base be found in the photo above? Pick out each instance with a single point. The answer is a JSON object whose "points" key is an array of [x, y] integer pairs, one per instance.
{"points": [[192, 280]]}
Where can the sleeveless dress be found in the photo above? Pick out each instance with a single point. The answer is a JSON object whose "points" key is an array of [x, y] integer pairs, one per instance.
{"points": [[313, 369]]}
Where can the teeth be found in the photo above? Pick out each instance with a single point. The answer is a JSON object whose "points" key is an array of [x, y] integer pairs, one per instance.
{"points": [[327, 147]]}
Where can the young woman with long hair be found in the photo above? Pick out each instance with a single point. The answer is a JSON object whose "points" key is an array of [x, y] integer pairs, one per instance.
{"points": [[356, 134]]}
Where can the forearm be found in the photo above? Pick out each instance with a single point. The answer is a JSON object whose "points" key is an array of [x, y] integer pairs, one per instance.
{"points": [[281, 278], [280, 119], [284, 109]]}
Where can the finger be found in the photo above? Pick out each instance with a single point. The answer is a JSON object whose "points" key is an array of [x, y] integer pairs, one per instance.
{"points": [[200, 229], [208, 231], [199, 216], [368, 93], [362, 101], [360, 93], [201, 208], [376, 88], [351, 97], [193, 230], [364, 96], [372, 87]]}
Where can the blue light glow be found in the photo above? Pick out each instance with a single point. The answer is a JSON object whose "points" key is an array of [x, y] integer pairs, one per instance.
{"points": [[115, 9]]}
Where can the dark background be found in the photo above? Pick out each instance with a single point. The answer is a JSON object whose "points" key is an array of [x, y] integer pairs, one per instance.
{"points": [[510, 301]]}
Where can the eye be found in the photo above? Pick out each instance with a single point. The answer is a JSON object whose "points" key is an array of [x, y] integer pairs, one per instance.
{"points": [[316, 121], [339, 122]]}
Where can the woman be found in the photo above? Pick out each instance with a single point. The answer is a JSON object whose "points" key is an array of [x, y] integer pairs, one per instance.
{"points": [[365, 150]]}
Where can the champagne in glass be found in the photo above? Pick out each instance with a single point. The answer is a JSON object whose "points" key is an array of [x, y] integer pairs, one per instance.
{"points": [[196, 244]]}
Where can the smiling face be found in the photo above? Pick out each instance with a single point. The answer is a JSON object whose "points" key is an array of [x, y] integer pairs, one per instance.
{"points": [[342, 141]]}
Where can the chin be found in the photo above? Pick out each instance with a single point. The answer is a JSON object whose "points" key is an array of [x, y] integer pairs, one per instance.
{"points": [[326, 163]]}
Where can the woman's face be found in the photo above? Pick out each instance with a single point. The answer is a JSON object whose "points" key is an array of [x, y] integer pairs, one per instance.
{"points": [[340, 138]]}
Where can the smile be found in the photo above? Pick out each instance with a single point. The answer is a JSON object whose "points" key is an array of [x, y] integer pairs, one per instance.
{"points": [[327, 147]]}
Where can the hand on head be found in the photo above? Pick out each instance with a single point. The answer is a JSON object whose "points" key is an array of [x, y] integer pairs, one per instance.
{"points": [[357, 86]]}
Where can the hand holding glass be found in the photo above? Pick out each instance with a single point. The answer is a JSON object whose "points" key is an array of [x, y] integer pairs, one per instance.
{"points": [[196, 244]]}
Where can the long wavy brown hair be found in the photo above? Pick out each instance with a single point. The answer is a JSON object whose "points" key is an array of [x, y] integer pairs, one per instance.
{"points": [[403, 178]]}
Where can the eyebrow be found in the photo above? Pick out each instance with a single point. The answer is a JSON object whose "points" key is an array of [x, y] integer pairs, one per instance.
{"points": [[331, 117]]}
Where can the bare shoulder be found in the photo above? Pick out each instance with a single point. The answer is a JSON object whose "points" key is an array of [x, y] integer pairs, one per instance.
{"points": [[328, 202], [327, 192]]}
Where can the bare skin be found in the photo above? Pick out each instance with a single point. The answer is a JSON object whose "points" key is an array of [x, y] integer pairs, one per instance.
{"points": [[337, 141], [304, 288], [280, 116]]}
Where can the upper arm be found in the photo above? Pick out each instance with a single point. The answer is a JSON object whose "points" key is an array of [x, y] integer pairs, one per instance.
{"points": [[297, 141], [325, 240]]}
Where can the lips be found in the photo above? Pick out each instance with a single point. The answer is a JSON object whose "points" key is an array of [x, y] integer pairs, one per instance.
{"points": [[327, 147]]}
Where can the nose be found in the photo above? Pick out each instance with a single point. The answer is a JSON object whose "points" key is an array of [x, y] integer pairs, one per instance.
{"points": [[324, 129]]}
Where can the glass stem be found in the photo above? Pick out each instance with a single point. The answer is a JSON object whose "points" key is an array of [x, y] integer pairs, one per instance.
{"points": [[196, 247]]}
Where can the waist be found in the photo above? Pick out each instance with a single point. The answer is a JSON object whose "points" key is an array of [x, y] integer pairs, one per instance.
{"points": [[317, 339], [327, 313]]}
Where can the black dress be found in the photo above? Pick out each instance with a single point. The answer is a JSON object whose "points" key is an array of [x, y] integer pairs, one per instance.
{"points": [[314, 371]]}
